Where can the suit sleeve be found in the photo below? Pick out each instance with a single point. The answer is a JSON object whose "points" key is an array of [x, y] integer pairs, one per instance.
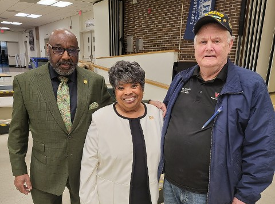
{"points": [[89, 163], [19, 132]]}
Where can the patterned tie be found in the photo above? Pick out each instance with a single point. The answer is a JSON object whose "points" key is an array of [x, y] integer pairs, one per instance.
{"points": [[63, 102]]}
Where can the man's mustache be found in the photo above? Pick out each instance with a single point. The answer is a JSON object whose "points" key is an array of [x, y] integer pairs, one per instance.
{"points": [[67, 62]]}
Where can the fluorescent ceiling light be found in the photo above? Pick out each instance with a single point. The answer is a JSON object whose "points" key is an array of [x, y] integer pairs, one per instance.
{"points": [[33, 16], [16, 23], [47, 2], [62, 4], [4, 28], [6, 22], [28, 15], [21, 14], [13, 23]]}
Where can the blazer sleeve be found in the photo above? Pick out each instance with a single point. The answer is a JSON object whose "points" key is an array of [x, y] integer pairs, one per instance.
{"points": [[19, 132], [89, 163]]}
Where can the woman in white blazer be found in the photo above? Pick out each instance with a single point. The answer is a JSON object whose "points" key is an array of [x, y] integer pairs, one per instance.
{"points": [[122, 148]]}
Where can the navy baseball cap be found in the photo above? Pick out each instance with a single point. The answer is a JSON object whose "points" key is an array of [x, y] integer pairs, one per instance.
{"points": [[216, 17]]}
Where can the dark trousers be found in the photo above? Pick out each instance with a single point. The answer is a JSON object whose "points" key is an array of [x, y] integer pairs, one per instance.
{"points": [[41, 197]]}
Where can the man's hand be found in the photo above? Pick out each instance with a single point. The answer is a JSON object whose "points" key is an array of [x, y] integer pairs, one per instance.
{"points": [[23, 183], [237, 201], [159, 105]]}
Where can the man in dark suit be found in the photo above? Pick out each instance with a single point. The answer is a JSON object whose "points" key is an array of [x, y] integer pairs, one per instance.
{"points": [[57, 149]]}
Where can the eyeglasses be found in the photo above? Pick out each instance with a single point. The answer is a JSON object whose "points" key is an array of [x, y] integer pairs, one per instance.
{"points": [[61, 50]]}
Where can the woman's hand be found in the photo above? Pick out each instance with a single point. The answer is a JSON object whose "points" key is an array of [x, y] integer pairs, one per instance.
{"points": [[159, 105]]}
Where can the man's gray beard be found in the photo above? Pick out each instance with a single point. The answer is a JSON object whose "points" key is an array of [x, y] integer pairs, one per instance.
{"points": [[60, 71], [66, 72]]}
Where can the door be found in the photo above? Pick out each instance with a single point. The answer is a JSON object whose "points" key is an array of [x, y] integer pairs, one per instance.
{"points": [[88, 48], [13, 54]]}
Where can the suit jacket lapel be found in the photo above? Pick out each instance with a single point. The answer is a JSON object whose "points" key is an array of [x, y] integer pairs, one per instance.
{"points": [[82, 96], [44, 85]]}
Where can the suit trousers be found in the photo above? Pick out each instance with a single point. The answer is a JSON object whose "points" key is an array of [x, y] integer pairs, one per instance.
{"points": [[41, 197]]}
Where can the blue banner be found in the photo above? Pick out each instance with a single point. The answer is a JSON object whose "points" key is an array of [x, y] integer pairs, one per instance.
{"points": [[197, 9]]}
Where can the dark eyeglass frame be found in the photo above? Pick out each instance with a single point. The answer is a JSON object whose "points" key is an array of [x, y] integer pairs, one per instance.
{"points": [[60, 50]]}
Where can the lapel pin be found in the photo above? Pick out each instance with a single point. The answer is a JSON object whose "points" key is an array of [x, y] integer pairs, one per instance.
{"points": [[85, 81]]}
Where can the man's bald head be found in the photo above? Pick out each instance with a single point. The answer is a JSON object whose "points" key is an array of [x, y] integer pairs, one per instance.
{"points": [[62, 35], [62, 50]]}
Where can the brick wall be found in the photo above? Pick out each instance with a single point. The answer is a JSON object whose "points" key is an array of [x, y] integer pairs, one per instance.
{"points": [[158, 23]]}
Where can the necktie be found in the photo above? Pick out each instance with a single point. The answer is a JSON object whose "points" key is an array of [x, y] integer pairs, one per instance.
{"points": [[63, 102]]}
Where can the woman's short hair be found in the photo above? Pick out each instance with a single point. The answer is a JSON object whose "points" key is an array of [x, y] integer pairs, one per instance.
{"points": [[124, 72]]}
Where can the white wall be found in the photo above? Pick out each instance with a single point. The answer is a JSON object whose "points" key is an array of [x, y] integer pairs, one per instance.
{"points": [[83, 29], [101, 17], [271, 83], [158, 67], [84, 17], [265, 46], [45, 30], [11, 36]]}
